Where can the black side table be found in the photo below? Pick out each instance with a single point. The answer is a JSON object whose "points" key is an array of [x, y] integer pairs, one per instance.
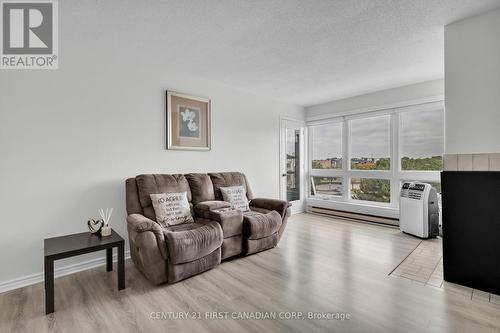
{"points": [[76, 244]]}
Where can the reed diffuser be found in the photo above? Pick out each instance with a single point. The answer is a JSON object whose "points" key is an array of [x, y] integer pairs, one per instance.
{"points": [[106, 217]]}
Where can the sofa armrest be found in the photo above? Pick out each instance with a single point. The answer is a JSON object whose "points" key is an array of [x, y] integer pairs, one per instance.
{"points": [[138, 224], [271, 204], [204, 208]]}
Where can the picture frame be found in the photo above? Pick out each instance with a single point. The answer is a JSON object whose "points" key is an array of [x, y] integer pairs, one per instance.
{"points": [[189, 124]]}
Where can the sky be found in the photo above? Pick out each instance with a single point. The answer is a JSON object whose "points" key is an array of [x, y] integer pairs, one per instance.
{"points": [[370, 137], [421, 135], [327, 141]]}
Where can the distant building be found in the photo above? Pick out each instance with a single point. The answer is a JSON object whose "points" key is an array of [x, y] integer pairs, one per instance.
{"points": [[324, 164], [329, 163], [336, 163], [291, 162], [363, 160]]}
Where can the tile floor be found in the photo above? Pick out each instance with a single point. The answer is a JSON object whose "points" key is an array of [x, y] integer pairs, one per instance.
{"points": [[424, 265]]}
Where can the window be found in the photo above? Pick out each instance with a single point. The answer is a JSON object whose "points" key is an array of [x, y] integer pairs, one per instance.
{"points": [[368, 189], [381, 151], [292, 164], [327, 146], [326, 186], [422, 140], [371, 143]]}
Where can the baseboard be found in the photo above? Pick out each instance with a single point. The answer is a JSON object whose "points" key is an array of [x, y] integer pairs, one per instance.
{"points": [[58, 272], [298, 211], [354, 216]]}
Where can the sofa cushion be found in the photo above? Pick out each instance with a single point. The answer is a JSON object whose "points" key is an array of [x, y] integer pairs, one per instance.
{"points": [[192, 241], [171, 208], [182, 271], [226, 179], [151, 184], [257, 225], [236, 196], [201, 186]]}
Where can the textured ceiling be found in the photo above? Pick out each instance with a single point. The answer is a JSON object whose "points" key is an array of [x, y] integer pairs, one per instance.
{"points": [[308, 52]]}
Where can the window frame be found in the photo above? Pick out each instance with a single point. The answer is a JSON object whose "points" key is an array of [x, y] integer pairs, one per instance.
{"points": [[324, 196], [395, 174]]}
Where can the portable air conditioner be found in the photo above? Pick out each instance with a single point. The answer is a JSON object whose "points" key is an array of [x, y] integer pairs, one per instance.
{"points": [[419, 210]]}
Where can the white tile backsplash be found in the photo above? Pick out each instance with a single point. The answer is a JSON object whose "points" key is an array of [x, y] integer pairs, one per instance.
{"points": [[471, 162], [480, 162], [450, 162], [465, 162], [494, 162]]}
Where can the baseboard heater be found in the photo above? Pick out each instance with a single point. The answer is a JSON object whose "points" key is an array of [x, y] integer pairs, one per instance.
{"points": [[353, 216]]}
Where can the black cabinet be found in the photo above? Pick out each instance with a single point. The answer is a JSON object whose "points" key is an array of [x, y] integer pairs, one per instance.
{"points": [[471, 229]]}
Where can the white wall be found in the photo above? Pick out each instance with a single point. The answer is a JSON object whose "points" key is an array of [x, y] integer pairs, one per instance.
{"points": [[472, 81], [380, 99], [70, 137]]}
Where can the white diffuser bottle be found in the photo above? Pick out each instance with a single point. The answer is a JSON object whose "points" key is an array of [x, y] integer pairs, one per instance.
{"points": [[106, 216]]}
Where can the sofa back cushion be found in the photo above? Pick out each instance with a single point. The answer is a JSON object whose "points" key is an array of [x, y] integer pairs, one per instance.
{"points": [[228, 179], [154, 184], [132, 196], [201, 186]]}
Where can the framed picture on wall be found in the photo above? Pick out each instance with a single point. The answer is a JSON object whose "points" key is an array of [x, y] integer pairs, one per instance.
{"points": [[188, 122]]}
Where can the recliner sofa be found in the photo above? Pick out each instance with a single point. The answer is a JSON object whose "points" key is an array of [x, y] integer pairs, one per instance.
{"points": [[177, 252]]}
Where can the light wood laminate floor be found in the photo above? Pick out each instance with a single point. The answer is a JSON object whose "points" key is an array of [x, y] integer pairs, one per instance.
{"points": [[321, 265]]}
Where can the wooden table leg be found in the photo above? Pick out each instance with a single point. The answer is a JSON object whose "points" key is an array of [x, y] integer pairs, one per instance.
{"points": [[109, 259], [121, 266], [49, 285]]}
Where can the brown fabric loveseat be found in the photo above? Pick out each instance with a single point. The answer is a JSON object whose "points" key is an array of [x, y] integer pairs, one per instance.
{"points": [[177, 252]]}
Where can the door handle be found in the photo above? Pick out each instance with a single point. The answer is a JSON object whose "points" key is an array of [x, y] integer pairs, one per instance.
{"points": [[284, 175]]}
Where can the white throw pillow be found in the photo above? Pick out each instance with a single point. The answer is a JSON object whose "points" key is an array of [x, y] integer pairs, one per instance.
{"points": [[236, 196], [171, 208]]}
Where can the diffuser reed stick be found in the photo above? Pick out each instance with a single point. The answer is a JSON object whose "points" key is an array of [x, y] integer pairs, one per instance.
{"points": [[106, 217]]}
